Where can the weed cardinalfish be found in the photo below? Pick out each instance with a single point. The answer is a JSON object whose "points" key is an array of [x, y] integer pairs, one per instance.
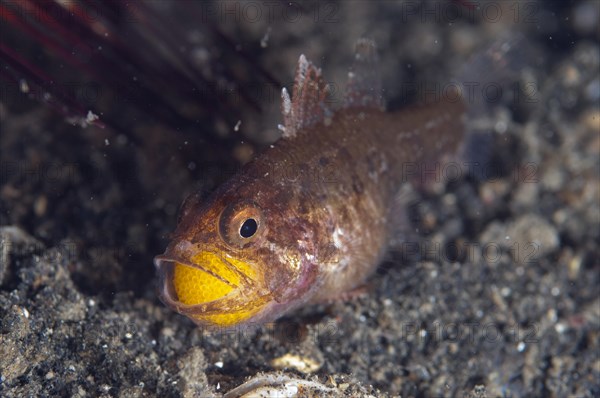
{"points": [[267, 242]]}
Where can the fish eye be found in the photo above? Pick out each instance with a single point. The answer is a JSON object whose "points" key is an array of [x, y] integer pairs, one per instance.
{"points": [[241, 224], [248, 228]]}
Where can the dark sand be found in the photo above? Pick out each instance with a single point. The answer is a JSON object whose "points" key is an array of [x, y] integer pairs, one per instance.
{"points": [[500, 299]]}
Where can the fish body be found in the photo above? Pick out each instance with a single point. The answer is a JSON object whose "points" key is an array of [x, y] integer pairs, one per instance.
{"points": [[311, 217]]}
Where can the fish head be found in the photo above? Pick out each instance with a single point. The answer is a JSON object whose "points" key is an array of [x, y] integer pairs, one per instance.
{"points": [[237, 259]]}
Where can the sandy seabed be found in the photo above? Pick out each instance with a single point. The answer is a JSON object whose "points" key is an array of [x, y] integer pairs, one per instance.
{"points": [[495, 293]]}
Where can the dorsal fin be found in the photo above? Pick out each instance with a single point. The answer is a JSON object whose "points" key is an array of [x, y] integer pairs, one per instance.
{"points": [[308, 103], [364, 79]]}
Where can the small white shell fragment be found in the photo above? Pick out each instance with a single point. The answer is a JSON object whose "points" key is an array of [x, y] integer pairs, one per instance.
{"points": [[293, 361], [281, 386]]}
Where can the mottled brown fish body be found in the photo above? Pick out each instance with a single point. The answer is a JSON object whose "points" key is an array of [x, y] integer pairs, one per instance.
{"points": [[340, 179], [311, 217]]}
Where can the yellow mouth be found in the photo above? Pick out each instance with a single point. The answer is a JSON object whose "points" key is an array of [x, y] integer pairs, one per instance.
{"points": [[213, 279]]}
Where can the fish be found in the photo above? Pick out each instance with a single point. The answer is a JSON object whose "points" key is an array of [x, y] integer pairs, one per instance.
{"points": [[310, 219]]}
